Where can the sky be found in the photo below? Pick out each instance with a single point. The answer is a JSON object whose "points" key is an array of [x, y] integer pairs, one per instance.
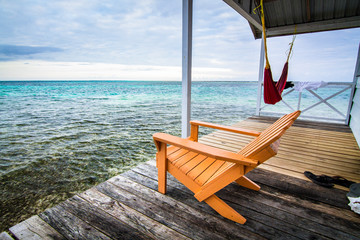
{"points": [[141, 40]]}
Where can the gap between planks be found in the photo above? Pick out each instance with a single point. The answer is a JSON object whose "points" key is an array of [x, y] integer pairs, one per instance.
{"points": [[258, 198]]}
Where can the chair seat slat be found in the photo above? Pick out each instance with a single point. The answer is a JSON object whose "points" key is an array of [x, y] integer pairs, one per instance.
{"points": [[209, 172], [199, 169], [204, 175], [187, 167]]}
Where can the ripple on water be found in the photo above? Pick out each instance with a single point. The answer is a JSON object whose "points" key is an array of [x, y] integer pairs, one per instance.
{"points": [[59, 138]]}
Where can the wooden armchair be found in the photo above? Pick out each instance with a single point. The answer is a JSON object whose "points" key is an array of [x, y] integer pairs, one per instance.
{"points": [[206, 170]]}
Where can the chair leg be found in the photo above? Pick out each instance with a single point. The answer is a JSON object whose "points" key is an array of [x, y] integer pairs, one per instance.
{"points": [[245, 182], [162, 168], [224, 210]]}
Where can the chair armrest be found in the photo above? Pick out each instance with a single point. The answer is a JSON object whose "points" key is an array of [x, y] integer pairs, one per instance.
{"points": [[212, 152], [226, 128]]}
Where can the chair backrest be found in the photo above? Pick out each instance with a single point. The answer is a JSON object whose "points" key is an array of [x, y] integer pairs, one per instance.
{"points": [[266, 144]]}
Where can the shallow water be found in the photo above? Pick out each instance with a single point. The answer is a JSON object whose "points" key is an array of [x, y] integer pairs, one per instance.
{"points": [[59, 138]]}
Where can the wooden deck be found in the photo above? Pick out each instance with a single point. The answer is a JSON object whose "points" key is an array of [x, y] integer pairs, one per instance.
{"points": [[329, 149], [287, 206]]}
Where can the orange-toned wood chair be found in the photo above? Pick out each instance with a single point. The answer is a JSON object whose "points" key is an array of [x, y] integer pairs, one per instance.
{"points": [[206, 170]]}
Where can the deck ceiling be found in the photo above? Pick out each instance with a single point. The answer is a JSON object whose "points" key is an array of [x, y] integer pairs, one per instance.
{"points": [[281, 16]]}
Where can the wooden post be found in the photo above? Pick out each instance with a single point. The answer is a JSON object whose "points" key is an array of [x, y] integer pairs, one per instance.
{"points": [[299, 100], [261, 77], [356, 75], [162, 167], [186, 66], [194, 134]]}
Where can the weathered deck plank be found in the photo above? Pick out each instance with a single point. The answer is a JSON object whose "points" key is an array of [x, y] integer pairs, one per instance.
{"points": [[70, 226], [108, 225], [158, 207], [200, 221], [270, 206], [5, 236], [35, 228], [288, 206], [130, 216], [321, 148], [230, 229]]}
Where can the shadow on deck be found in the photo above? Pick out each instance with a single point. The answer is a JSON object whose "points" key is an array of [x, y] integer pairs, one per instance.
{"points": [[128, 206]]}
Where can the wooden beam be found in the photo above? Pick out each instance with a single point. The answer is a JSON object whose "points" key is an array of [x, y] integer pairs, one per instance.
{"points": [[308, 12], [308, 27], [328, 25], [244, 13]]}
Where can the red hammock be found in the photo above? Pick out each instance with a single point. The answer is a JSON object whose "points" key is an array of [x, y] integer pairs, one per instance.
{"points": [[272, 90]]}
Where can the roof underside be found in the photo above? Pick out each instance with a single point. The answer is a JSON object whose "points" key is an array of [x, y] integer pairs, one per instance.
{"points": [[281, 16]]}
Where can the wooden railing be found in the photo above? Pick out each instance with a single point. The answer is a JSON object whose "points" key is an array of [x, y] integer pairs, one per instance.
{"points": [[345, 89]]}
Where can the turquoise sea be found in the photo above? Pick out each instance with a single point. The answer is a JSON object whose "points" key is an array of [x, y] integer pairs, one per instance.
{"points": [[58, 138]]}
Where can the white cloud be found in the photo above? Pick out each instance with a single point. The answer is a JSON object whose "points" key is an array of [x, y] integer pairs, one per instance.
{"points": [[44, 70], [148, 33]]}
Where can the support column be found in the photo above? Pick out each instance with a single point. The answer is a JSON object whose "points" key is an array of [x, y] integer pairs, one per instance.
{"points": [[261, 77], [187, 13], [355, 79]]}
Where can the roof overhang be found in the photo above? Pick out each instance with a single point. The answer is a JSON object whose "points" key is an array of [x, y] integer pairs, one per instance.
{"points": [[283, 16]]}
